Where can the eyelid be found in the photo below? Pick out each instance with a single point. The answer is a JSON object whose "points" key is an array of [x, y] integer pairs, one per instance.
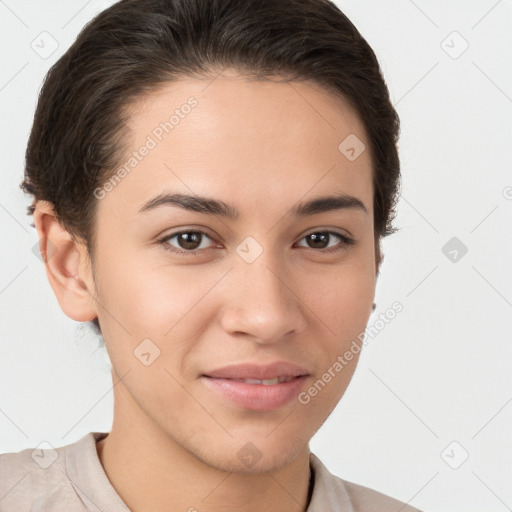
{"points": [[346, 240], [164, 241], [336, 231]]}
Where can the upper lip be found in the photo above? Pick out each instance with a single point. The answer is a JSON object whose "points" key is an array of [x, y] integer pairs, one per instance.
{"points": [[258, 371]]}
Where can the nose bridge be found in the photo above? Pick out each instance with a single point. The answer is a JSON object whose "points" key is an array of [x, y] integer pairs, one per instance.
{"points": [[265, 279], [263, 304]]}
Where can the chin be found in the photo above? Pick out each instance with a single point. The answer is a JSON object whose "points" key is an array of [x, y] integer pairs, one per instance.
{"points": [[252, 456]]}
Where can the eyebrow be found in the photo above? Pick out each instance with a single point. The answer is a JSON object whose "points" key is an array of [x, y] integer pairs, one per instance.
{"points": [[219, 208]]}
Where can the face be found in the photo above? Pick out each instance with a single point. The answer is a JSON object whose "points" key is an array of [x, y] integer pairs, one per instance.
{"points": [[253, 280]]}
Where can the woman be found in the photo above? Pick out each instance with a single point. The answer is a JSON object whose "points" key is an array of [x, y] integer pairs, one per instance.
{"points": [[211, 181]]}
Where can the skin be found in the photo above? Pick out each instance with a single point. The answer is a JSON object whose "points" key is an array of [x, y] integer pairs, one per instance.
{"points": [[261, 146]]}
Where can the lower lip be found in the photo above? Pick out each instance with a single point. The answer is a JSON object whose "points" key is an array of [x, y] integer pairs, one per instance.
{"points": [[257, 397]]}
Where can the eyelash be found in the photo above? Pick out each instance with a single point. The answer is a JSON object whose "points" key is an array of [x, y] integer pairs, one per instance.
{"points": [[347, 241]]}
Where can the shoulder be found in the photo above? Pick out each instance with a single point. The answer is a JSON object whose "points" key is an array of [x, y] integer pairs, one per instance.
{"points": [[331, 493], [36, 479]]}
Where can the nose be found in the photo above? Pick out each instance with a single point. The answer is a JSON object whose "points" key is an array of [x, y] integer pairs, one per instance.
{"points": [[263, 301]]}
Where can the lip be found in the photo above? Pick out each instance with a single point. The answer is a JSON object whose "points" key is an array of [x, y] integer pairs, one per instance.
{"points": [[258, 371], [257, 397]]}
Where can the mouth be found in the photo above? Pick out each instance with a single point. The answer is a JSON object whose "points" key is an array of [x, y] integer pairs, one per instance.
{"points": [[264, 382], [256, 394]]}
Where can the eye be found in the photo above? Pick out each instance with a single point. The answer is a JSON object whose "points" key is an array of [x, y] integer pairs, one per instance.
{"points": [[320, 240], [189, 242]]}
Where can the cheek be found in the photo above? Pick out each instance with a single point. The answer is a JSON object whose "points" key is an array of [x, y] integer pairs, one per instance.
{"points": [[342, 302], [148, 296], [342, 299], [148, 299], [144, 292]]}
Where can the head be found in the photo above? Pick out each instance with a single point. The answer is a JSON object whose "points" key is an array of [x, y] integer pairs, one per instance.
{"points": [[262, 108]]}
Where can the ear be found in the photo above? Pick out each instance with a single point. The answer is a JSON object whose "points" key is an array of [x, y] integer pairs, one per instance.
{"points": [[68, 265]]}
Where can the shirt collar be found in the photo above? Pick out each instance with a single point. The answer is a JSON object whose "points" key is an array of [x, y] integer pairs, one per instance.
{"points": [[90, 481], [329, 493], [88, 477]]}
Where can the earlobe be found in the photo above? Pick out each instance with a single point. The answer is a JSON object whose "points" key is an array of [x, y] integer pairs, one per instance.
{"points": [[67, 265]]}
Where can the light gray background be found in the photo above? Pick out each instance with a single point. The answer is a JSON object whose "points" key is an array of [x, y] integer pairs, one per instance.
{"points": [[439, 372]]}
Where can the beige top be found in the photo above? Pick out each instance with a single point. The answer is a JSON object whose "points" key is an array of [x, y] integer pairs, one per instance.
{"points": [[71, 479]]}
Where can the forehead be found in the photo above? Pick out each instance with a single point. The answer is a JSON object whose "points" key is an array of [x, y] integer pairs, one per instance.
{"points": [[233, 138]]}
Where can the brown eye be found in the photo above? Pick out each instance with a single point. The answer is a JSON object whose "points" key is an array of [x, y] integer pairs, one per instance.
{"points": [[321, 239], [191, 242], [187, 242]]}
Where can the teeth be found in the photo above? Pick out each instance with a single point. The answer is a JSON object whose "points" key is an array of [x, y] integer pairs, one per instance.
{"points": [[265, 382]]}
